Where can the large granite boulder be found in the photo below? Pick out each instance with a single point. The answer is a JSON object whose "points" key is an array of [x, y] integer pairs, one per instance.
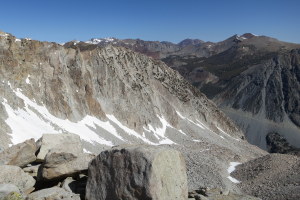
{"points": [[15, 175], [54, 193], [20, 154], [137, 172], [60, 165], [68, 143]]}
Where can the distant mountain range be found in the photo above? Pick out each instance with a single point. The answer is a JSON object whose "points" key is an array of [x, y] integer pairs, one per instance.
{"points": [[254, 79]]}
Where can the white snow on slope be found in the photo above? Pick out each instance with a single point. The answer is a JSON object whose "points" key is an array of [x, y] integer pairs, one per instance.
{"points": [[159, 133], [27, 79], [230, 169], [226, 134], [127, 130], [34, 120], [199, 124]]}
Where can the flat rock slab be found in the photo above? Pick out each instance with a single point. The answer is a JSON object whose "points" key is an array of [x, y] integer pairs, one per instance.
{"points": [[68, 143], [60, 165], [20, 154], [137, 172], [16, 176], [54, 193]]}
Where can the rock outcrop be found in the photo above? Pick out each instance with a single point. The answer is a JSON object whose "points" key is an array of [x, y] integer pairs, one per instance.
{"points": [[278, 144], [20, 154], [137, 172]]}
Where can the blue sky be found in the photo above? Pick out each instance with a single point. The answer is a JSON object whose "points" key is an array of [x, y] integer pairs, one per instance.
{"points": [[163, 20]]}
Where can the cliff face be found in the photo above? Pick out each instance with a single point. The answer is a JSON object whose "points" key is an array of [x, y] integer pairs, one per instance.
{"points": [[266, 98], [61, 86]]}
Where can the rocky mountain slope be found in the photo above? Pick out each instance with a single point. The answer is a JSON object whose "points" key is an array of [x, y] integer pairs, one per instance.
{"points": [[255, 82], [253, 79], [110, 96], [271, 177]]}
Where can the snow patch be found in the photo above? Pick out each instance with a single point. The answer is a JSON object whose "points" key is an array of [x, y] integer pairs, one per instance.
{"points": [[159, 133], [34, 120], [27, 79], [227, 134], [180, 131], [199, 124], [126, 129], [17, 40], [231, 169], [197, 140], [86, 151]]}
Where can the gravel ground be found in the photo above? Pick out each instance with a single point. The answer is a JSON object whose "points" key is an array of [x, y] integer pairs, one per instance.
{"points": [[271, 177]]}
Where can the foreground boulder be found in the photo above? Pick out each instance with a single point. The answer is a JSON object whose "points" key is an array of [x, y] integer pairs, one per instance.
{"points": [[68, 143], [16, 176], [54, 193], [60, 165], [20, 154], [137, 172]]}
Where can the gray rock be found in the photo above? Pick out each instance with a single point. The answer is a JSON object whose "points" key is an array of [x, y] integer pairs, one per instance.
{"points": [[7, 188], [13, 196], [137, 172], [75, 186], [32, 170], [54, 193], [68, 143], [200, 197], [59, 165], [15, 175], [20, 154]]}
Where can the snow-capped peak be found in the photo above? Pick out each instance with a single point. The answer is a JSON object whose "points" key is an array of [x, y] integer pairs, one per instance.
{"points": [[100, 40]]}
